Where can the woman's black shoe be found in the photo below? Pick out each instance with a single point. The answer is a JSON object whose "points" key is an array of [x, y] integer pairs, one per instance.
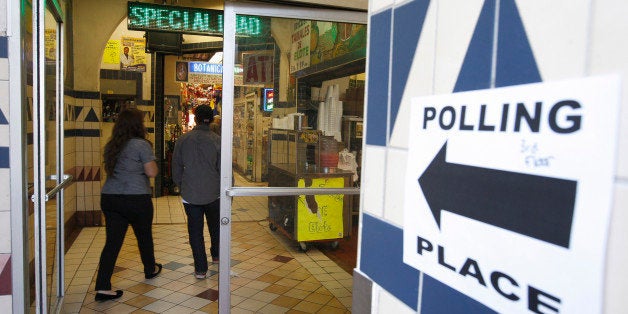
{"points": [[153, 275], [104, 297]]}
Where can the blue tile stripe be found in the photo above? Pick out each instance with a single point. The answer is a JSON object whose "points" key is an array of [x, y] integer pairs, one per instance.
{"points": [[382, 260], [515, 60], [409, 19], [3, 118], [378, 68], [476, 67], [4, 47], [439, 298], [4, 157]]}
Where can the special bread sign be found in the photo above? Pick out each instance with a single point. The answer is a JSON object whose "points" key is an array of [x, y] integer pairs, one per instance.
{"points": [[508, 193]]}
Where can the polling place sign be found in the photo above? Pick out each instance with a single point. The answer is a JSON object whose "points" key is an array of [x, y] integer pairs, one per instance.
{"points": [[508, 193]]}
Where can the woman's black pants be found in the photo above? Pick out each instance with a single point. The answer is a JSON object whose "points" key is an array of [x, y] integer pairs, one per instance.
{"points": [[120, 211]]}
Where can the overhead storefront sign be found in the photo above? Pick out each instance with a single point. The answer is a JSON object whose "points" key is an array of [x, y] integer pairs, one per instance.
{"points": [[258, 68], [203, 73], [508, 193], [300, 50], [144, 16]]}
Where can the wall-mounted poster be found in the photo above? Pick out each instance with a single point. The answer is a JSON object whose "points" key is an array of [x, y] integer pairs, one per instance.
{"points": [[111, 55], [133, 54], [300, 51], [181, 73], [258, 68], [50, 44]]}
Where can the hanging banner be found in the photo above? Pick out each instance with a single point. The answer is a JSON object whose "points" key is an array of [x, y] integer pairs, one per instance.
{"points": [[300, 51], [111, 55], [258, 68], [133, 54]]}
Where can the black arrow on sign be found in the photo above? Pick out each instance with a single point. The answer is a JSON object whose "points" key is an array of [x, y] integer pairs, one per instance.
{"points": [[536, 206]]}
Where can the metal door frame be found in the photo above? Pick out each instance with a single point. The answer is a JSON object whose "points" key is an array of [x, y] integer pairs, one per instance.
{"points": [[227, 190], [40, 195]]}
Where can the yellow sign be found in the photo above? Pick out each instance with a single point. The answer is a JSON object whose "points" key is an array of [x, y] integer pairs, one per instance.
{"points": [[111, 55], [50, 44], [320, 216]]}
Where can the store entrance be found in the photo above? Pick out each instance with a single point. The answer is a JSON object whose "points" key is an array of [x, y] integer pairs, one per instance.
{"points": [[293, 117]]}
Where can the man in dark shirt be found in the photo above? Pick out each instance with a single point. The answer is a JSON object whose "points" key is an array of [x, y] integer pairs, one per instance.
{"points": [[196, 170]]}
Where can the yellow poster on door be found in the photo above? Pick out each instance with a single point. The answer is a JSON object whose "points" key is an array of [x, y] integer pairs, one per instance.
{"points": [[320, 216]]}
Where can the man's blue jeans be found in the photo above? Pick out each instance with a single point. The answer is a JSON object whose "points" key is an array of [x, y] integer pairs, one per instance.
{"points": [[195, 215]]}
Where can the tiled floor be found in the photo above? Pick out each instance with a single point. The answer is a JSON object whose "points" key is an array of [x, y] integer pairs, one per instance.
{"points": [[269, 273]]}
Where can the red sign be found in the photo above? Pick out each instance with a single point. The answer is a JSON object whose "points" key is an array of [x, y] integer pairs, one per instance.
{"points": [[258, 69]]}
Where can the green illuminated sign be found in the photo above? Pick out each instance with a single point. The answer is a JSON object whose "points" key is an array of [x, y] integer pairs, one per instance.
{"points": [[153, 17]]}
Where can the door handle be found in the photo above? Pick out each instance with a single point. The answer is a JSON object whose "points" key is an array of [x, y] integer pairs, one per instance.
{"points": [[67, 179]]}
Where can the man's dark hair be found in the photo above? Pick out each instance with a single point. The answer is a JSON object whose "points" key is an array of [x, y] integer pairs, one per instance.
{"points": [[203, 114]]}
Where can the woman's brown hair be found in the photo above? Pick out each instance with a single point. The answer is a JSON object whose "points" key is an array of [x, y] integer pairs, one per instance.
{"points": [[130, 124]]}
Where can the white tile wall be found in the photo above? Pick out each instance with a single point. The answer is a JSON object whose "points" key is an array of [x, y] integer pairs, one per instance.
{"points": [[456, 24], [6, 303], [372, 194], [5, 181], [420, 79], [617, 258], [395, 185], [4, 69], [387, 303], [563, 24], [608, 50], [5, 232], [4, 106]]}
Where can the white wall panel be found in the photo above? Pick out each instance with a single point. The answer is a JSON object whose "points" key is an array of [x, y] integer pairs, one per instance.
{"points": [[6, 303], [373, 170], [616, 269], [420, 79], [387, 303], [5, 197], [4, 69], [609, 51], [395, 191], [557, 32], [5, 231], [454, 30]]}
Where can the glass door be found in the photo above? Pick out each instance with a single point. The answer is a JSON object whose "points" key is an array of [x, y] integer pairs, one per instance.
{"points": [[48, 178], [282, 120]]}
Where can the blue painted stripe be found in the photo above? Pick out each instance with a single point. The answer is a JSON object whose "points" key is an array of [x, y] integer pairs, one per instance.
{"points": [[439, 298], [4, 157], [379, 56], [4, 47], [515, 60], [382, 260], [476, 68], [409, 19]]}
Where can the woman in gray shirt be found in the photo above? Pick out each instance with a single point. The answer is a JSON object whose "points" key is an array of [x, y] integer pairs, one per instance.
{"points": [[126, 198]]}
